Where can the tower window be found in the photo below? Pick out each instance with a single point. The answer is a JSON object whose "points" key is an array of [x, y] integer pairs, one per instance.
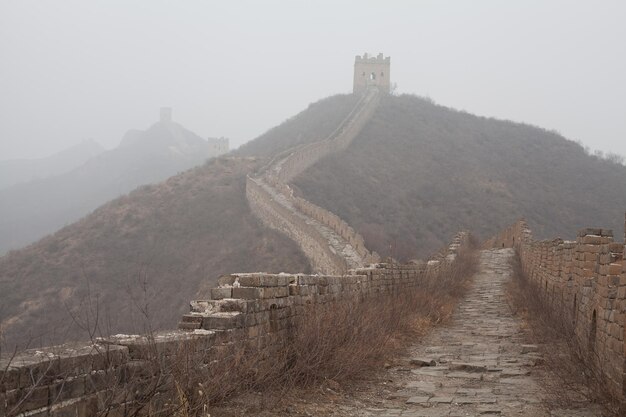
{"points": [[372, 76]]}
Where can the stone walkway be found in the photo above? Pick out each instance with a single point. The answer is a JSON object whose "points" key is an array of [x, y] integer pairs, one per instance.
{"points": [[479, 364]]}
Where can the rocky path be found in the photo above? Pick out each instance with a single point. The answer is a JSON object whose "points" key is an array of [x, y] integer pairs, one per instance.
{"points": [[479, 364]]}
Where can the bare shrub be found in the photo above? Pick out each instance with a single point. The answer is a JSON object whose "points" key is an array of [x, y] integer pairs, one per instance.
{"points": [[345, 340], [333, 343]]}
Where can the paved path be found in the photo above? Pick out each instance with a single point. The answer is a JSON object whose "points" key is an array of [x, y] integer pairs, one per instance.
{"points": [[480, 362]]}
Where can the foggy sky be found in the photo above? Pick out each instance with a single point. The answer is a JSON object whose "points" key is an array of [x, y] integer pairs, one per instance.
{"points": [[76, 69]]}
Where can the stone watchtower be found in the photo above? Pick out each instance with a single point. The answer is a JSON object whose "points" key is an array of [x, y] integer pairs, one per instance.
{"points": [[369, 70]]}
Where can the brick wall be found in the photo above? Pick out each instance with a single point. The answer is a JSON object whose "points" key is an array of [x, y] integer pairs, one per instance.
{"points": [[585, 282]]}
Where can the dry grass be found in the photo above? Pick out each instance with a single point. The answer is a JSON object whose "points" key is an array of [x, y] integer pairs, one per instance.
{"points": [[336, 344], [574, 379], [331, 345]]}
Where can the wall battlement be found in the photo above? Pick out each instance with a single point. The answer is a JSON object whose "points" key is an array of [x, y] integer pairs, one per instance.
{"points": [[585, 282], [379, 59]]}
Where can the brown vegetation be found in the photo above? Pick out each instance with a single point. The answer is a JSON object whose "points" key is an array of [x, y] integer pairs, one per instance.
{"points": [[418, 172], [153, 250], [337, 344], [332, 345]]}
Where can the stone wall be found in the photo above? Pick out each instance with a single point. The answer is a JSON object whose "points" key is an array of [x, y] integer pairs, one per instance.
{"points": [[584, 281], [296, 161], [339, 226], [135, 375], [330, 244], [264, 202]]}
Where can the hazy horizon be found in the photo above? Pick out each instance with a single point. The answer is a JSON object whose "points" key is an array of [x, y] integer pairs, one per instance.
{"points": [[76, 70]]}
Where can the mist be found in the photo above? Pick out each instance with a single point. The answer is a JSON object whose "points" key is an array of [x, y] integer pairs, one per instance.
{"points": [[76, 70]]}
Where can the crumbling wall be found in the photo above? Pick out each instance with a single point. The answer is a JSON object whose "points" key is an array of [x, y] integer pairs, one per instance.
{"points": [[133, 374], [584, 281]]}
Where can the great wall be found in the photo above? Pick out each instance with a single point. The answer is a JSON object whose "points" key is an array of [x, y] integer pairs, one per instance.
{"points": [[329, 243], [122, 375]]}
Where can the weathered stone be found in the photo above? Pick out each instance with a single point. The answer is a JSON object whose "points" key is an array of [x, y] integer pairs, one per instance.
{"points": [[221, 292], [422, 399], [422, 362], [260, 292]]}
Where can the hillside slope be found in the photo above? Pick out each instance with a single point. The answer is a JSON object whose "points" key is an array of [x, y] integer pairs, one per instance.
{"points": [[415, 175], [418, 172], [153, 250], [30, 211], [314, 123]]}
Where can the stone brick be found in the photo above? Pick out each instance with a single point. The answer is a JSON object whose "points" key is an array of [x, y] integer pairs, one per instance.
{"points": [[260, 292], [256, 280], [221, 292], [614, 269], [30, 398], [222, 321], [68, 388]]}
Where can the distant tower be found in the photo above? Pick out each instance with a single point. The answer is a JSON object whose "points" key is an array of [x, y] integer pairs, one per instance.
{"points": [[166, 114], [369, 70], [220, 145]]}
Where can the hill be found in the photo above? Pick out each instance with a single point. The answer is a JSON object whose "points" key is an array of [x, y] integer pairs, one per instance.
{"points": [[415, 175], [30, 211], [16, 171], [151, 251], [314, 123], [418, 172], [178, 237]]}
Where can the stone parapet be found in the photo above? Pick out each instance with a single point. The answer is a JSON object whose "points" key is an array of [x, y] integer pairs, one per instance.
{"points": [[585, 282]]}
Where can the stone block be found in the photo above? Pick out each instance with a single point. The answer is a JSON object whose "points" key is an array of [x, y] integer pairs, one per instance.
{"points": [[303, 290], [230, 305], [615, 269], [589, 231], [68, 388], [189, 325], [221, 292], [260, 292], [10, 376], [29, 399], [223, 321], [226, 280], [261, 280]]}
